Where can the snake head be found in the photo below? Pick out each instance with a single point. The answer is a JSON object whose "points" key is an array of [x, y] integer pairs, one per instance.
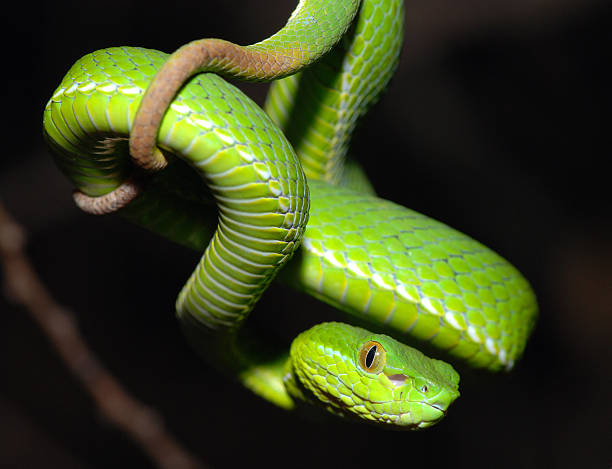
{"points": [[352, 372]]}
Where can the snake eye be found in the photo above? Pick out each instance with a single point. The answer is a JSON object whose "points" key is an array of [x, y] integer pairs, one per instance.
{"points": [[372, 357]]}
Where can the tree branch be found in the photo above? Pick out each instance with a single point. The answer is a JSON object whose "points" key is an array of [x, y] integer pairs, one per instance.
{"points": [[141, 423]]}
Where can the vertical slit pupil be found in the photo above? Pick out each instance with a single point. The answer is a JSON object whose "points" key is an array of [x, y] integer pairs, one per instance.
{"points": [[370, 356]]}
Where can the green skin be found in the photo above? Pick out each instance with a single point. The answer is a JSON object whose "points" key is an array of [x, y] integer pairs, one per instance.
{"points": [[385, 265]]}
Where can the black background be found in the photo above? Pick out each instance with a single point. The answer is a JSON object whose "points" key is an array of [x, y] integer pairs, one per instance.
{"points": [[498, 121]]}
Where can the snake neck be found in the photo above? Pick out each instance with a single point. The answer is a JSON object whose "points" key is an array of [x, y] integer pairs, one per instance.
{"points": [[240, 354]]}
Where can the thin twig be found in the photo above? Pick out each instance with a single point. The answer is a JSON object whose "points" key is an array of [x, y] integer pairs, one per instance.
{"points": [[138, 421]]}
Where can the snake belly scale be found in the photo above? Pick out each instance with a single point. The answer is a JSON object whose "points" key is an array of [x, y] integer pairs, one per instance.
{"points": [[288, 203]]}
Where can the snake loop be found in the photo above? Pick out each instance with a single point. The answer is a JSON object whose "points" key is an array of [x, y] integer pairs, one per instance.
{"points": [[279, 182]]}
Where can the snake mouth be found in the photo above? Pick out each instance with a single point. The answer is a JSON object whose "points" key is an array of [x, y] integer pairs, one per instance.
{"points": [[423, 419], [437, 407]]}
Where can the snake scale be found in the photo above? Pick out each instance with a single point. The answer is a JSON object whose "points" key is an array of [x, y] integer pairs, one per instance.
{"points": [[170, 145]]}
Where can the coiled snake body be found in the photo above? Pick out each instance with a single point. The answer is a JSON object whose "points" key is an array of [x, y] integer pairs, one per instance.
{"points": [[280, 181]]}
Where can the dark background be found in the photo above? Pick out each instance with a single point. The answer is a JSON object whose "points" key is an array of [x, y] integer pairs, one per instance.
{"points": [[498, 120]]}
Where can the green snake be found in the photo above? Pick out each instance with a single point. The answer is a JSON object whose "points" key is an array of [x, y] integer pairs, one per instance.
{"points": [[172, 146]]}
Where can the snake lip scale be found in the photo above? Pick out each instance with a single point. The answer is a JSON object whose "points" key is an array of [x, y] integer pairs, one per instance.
{"points": [[167, 143]]}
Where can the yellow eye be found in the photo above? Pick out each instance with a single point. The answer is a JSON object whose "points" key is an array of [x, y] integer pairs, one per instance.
{"points": [[372, 357]]}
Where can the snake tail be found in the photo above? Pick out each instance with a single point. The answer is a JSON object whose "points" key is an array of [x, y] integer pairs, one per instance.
{"points": [[321, 24]]}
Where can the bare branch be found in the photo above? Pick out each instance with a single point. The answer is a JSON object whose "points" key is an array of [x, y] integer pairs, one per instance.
{"points": [[140, 422]]}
